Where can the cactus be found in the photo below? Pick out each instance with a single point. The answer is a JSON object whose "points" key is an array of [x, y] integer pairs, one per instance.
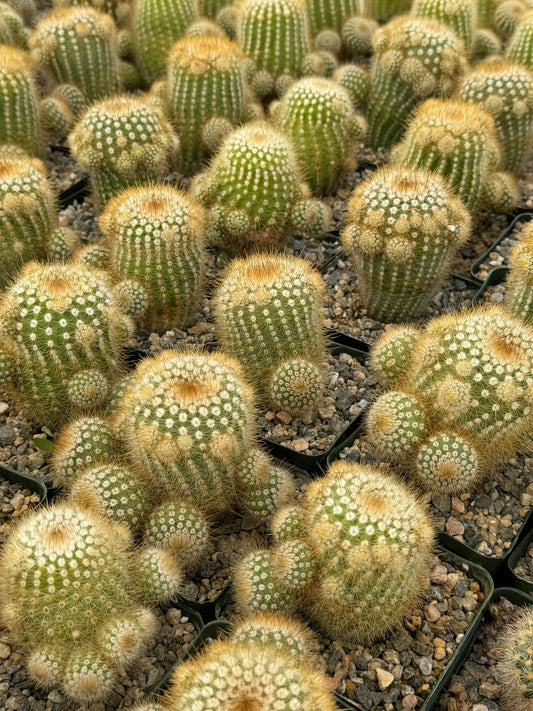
{"points": [[454, 139], [460, 15], [514, 669], [20, 121], [267, 200], [486, 42], [268, 311], [60, 321], [390, 355], [500, 192], [329, 15], [263, 487], [156, 25], [317, 115], [206, 91], [159, 575], [485, 11], [505, 91], [508, 15], [415, 58], [355, 80], [77, 46], [320, 64], [385, 9], [276, 631], [403, 230], [448, 463], [357, 35], [82, 444], [520, 47], [119, 10], [64, 591], [139, 145], [12, 30], [180, 528], [366, 540], [155, 235], [26, 9], [519, 285]]}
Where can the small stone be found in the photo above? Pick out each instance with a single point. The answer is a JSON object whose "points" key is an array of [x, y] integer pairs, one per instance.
{"points": [[283, 417], [439, 653], [300, 445], [488, 690], [350, 686], [5, 651], [409, 702], [479, 707], [458, 505], [425, 665], [17, 500], [431, 613], [385, 679], [439, 574], [7, 435], [4, 408], [454, 527]]}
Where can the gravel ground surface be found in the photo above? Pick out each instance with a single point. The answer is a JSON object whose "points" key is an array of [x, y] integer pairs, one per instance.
{"points": [[524, 567]]}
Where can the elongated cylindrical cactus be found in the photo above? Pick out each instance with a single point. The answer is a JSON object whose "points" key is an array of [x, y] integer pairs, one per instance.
{"points": [[20, 121], [385, 9], [520, 47], [514, 669], [12, 29], [519, 291], [330, 15], [460, 15]]}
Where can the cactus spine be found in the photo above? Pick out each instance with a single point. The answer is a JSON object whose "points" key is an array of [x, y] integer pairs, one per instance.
{"points": [[519, 291], [20, 121], [385, 9], [514, 669], [520, 47], [460, 15]]}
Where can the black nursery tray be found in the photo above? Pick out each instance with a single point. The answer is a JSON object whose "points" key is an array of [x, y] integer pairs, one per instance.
{"points": [[514, 579], [522, 215], [28, 481]]}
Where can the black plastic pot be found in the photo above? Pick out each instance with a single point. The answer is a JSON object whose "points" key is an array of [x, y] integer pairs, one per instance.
{"points": [[515, 580], [520, 216], [28, 481]]}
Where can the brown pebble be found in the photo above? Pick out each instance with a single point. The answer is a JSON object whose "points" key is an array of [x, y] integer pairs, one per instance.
{"points": [[300, 445], [431, 613], [454, 527], [284, 417], [409, 702]]}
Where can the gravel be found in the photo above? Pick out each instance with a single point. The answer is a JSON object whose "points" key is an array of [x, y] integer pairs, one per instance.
{"points": [[524, 567]]}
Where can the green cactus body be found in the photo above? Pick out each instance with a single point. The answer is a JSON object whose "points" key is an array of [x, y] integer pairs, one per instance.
{"points": [[188, 419], [20, 122], [355, 80], [263, 486], [382, 10], [508, 15], [460, 15], [514, 669], [210, 8], [138, 147], [454, 139], [12, 30], [60, 321], [447, 463], [182, 529], [26, 9], [519, 291], [520, 47], [119, 10], [317, 115], [277, 631], [81, 444], [155, 235], [157, 24], [486, 42], [329, 15], [205, 83], [78, 46], [390, 355], [505, 91], [160, 576], [501, 192], [268, 309], [357, 34], [403, 230], [485, 11]]}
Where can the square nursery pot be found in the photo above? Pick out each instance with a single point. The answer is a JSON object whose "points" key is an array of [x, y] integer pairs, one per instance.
{"points": [[27, 481], [514, 578]]}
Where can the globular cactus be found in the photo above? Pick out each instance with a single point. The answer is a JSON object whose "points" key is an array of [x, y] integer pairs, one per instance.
{"points": [[519, 284], [320, 63], [355, 80], [520, 47], [404, 228], [454, 139], [77, 46], [256, 670], [159, 575], [12, 30], [61, 324], [505, 91], [254, 191], [119, 10], [414, 58], [357, 35], [206, 95], [155, 235], [486, 42], [138, 147], [263, 486], [508, 15], [514, 669], [500, 192], [385, 9], [180, 528], [390, 354], [20, 121], [460, 15], [156, 25], [278, 631], [26, 9], [268, 313], [65, 597], [485, 11], [366, 539], [317, 115], [323, 15]]}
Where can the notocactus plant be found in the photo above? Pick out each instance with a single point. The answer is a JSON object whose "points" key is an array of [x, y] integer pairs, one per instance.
{"points": [[403, 230], [263, 486], [357, 35], [323, 15], [77, 46], [486, 42], [26, 9], [414, 58], [505, 91], [514, 669], [60, 321], [269, 198], [268, 313], [181, 528], [385, 9], [508, 15], [520, 47], [12, 29], [460, 15], [366, 539], [390, 354], [119, 10], [519, 285], [485, 11], [355, 79], [83, 627], [155, 235], [317, 115], [138, 147], [19, 101]]}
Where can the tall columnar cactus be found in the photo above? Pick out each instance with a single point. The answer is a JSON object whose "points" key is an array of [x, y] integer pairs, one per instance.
{"points": [[454, 139], [324, 15], [460, 15], [514, 669], [20, 121], [485, 11], [62, 338], [366, 540], [12, 30], [268, 312], [138, 145], [206, 95], [519, 291], [385, 9], [155, 235], [254, 191], [404, 227], [414, 58], [156, 25], [119, 10], [78, 46], [520, 47], [275, 35], [317, 115], [505, 91], [64, 592]]}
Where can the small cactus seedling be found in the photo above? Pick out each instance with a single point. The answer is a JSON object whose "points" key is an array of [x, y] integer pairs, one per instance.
{"points": [[12, 30], [454, 139], [403, 230], [520, 47], [519, 291], [62, 339], [20, 121], [156, 25], [460, 15], [138, 145], [355, 80], [254, 191], [155, 235], [77, 46], [268, 312], [514, 669], [382, 10], [505, 91], [357, 35], [415, 58], [318, 116]]}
